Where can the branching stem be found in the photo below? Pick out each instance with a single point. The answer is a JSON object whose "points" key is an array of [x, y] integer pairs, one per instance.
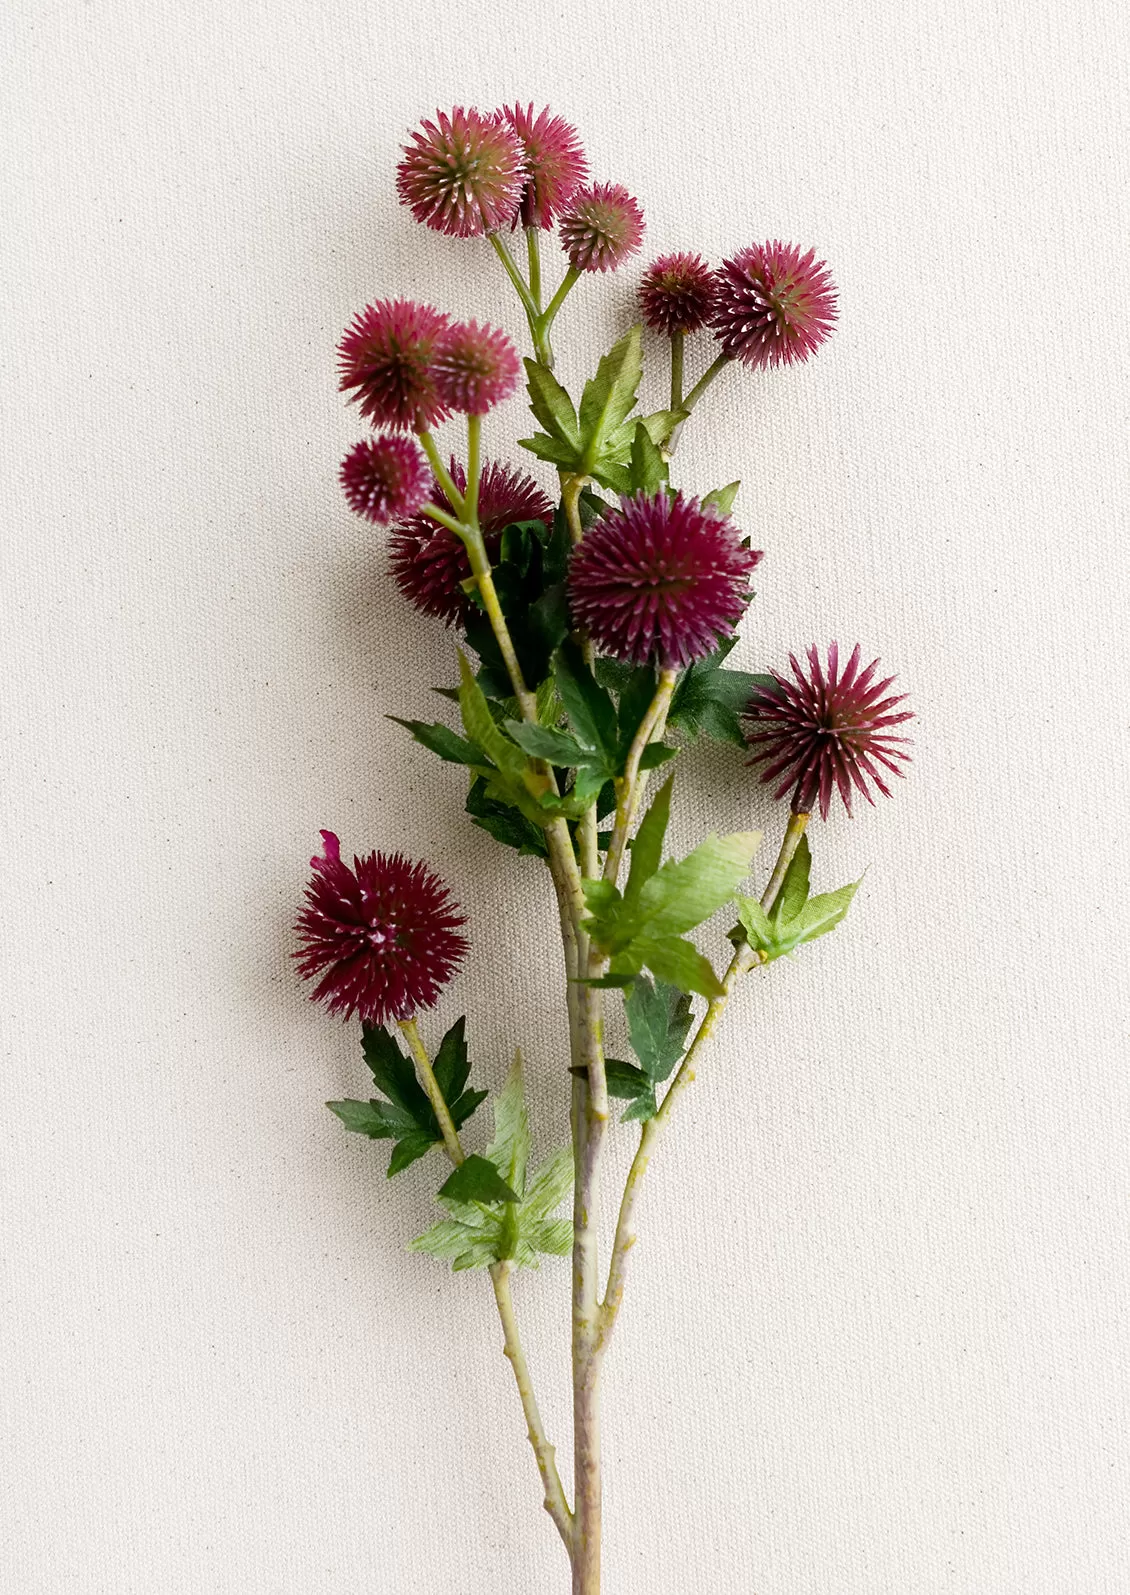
{"points": [[626, 802]]}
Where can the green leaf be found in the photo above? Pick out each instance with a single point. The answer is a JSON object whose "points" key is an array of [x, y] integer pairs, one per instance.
{"points": [[794, 889], [395, 1076], [450, 1238], [624, 1079], [477, 1180], [510, 1148], [722, 498], [554, 1237], [551, 405], [647, 467], [374, 1119], [659, 1017], [543, 742], [548, 1188], [709, 701], [610, 396], [587, 704], [655, 754], [480, 1254], [686, 892], [480, 726], [564, 455], [755, 923], [442, 740], [661, 423], [504, 821], [821, 914], [678, 962], [451, 1067], [409, 1148], [647, 848]]}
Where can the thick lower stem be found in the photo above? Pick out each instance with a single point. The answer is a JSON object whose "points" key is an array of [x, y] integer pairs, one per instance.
{"points": [[586, 1442]]}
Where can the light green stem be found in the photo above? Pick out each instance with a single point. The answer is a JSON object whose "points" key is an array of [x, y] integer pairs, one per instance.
{"points": [[693, 397], [627, 783], [431, 1086], [502, 250], [471, 497], [440, 471], [533, 260], [677, 341]]}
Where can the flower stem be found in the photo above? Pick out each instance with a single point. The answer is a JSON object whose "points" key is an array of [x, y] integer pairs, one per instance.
{"points": [[571, 487], [431, 1086], [743, 960], [555, 1503], [677, 341], [693, 397], [440, 471], [626, 784], [533, 258], [568, 282], [502, 250], [471, 497]]}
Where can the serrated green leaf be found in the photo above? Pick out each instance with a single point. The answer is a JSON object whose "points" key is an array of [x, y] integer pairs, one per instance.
{"points": [[545, 742], [477, 1180], [563, 455], [510, 1148], [659, 1017], [722, 498], [395, 1075], [504, 822], [655, 754], [588, 705], [643, 1108], [479, 1255], [636, 691], [794, 889], [375, 1119], [624, 1079], [685, 892], [661, 423], [449, 1238], [821, 914], [554, 1237], [442, 740], [451, 1067], [548, 1188], [647, 846], [463, 1106], [647, 467], [551, 405], [409, 1148], [676, 961], [481, 728], [755, 922], [610, 396]]}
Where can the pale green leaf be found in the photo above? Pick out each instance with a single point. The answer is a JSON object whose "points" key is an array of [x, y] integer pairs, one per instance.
{"points": [[794, 889], [647, 847], [552, 1236], [610, 396], [551, 405], [685, 892], [510, 1148], [722, 498], [548, 1188]]}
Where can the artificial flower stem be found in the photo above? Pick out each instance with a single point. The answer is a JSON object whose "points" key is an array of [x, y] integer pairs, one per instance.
{"points": [[744, 959], [440, 471], [677, 342], [571, 487], [474, 467], [568, 282], [693, 397], [555, 1502], [533, 259], [626, 784], [432, 1087], [502, 250]]}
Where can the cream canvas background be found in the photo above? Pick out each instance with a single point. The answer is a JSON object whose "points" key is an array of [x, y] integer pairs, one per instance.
{"points": [[874, 1342]]}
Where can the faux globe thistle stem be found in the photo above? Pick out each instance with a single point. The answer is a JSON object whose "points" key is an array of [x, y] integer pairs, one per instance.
{"points": [[471, 497], [677, 341], [441, 473], [626, 785], [431, 1085], [533, 262]]}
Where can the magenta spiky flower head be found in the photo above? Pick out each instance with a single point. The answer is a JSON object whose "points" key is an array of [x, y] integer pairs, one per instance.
{"points": [[677, 294], [827, 729], [775, 306], [383, 936], [386, 359], [475, 367], [386, 478], [555, 163], [660, 580], [463, 174], [602, 226], [429, 562]]}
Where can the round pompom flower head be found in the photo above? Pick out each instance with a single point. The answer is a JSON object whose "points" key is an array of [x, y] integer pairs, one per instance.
{"points": [[677, 294], [386, 359], [660, 580], [602, 226], [382, 938], [475, 368], [775, 306], [463, 174], [385, 479], [827, 730], [555, 163], [429, 563]]}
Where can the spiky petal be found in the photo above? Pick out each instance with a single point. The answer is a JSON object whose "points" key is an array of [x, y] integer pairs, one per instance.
{"points": [[555, 163], [660, 580], [383, 937], [386, 359], [429, 562], [602, 226], [775, 306], [677, 294], [827, 730], [386, 478], [463, 174], [475, 367]]}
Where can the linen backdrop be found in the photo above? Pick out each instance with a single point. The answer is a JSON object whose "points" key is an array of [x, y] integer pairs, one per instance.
{"points": [[874, 1336]]}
